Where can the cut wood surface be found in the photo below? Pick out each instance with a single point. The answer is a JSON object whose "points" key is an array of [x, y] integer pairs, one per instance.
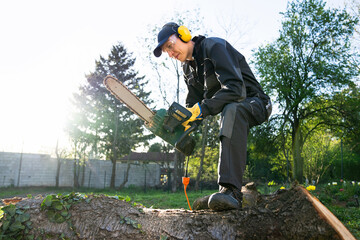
{"points": [[328, 216], [286, 214]]}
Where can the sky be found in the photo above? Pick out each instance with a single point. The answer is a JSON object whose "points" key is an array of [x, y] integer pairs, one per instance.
{"points": [[47, 48]]}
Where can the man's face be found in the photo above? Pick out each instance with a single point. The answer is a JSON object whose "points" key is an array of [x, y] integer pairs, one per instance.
{"points": [[175, 48]]}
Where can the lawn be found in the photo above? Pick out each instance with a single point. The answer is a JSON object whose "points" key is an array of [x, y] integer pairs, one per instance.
{"points": [[151, 198], [339, 199]]}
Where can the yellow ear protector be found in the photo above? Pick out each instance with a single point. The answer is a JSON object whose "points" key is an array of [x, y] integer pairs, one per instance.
{"points": [[184, 34]]}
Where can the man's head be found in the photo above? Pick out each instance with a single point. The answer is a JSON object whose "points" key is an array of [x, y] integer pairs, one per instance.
{"points": [[175, 40]]}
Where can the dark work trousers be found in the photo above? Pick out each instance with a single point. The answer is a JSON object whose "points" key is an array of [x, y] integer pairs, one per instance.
{"points": [[236, 120]]}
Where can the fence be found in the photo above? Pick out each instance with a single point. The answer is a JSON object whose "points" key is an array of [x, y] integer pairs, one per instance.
{"points": [[26, 169]]}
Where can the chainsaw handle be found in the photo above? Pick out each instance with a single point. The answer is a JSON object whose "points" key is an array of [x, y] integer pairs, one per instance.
{"points": [[186, 144], [188, 131]]}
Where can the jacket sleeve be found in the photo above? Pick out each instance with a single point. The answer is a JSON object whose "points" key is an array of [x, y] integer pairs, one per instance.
{"points": [[195, 89], [225, 60], [194, 96]]}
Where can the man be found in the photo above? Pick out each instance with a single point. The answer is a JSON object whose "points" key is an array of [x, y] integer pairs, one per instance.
{"points": [[219, 80]]}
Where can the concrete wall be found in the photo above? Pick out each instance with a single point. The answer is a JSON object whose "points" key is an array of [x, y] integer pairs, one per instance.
{"points": [[26, 169]]}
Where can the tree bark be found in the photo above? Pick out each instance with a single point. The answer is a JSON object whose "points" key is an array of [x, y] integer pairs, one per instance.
{"points": [[203, 145], [287, 214], [297, 145], [178, 170], [126, 177], [114, 150], [58, 165]]}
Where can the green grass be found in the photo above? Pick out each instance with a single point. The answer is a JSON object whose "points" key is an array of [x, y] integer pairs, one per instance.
{"points": [[151, 198], [164, 200], [350, 217]]}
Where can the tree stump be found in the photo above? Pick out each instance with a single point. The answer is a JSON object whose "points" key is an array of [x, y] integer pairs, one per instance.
{"points": [[286, 214]]}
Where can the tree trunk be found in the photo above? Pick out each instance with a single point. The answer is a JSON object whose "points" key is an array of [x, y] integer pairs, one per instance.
{"points": [[76, 184], [113, 173], [126, 177], [287, 214], [297, 145], [114, 151], [176, 176], [83, 174], [78, 171], [58, 165], [58, 159], [76, 179], [203, 145]]}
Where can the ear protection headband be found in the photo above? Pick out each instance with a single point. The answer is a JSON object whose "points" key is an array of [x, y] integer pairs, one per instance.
{"points": [[182, 32]]}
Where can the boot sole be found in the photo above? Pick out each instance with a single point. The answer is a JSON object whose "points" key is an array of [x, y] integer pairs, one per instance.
{"points": [[201, 203], [222, 202]]}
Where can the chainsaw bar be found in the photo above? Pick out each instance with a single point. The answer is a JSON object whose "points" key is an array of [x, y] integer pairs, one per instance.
{"points": [[121, 92]]}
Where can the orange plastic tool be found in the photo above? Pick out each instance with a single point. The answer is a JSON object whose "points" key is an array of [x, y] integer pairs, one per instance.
{"points": [[186, 181]]}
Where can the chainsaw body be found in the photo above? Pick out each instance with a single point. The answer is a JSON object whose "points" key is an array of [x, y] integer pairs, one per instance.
{"points": [[167, 124]]}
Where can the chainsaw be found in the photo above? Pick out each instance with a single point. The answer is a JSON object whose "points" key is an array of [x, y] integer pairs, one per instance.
{"points": [[167, 124]]}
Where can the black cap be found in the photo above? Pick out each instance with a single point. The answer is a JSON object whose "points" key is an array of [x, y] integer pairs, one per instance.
{"points": [[166, 31]]}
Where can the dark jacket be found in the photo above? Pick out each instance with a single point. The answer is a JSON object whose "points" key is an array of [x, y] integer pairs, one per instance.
{"points": [[219, 75]]}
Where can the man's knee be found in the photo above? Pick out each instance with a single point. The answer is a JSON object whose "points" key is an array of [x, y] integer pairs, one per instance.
{"points": [[228, 117]]}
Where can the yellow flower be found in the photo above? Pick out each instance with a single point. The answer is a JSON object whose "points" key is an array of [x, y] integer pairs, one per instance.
{"points": [[311, 188], [272, 183], [282, 188]]}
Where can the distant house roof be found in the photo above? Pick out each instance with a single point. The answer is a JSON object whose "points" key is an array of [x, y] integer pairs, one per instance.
{"points": [[149, 157]]}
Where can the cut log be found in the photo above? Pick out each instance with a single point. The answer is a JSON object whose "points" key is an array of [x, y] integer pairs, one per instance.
{"points": [[287, 214], [329, 217]]}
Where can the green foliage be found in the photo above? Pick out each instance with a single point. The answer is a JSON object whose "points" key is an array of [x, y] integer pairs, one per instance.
{"points": [[156, 147], [131, 222], [343, 191], [346, 119], [209, 172], [57, 206], [266, 160], [351, 165], [15, 223], [320, 152], [100, 123], [339, 198], [308, 63], [101, 120], [206, 153], [350, 217]]}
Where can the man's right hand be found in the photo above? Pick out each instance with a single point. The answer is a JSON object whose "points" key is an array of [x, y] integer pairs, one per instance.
{"points": [[195, 115]]}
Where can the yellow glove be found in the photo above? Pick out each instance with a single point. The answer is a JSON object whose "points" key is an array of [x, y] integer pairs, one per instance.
{"points": [[196, 115]]}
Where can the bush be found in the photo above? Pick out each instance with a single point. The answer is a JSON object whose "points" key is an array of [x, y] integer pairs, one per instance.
{"points": [[324, 198]]}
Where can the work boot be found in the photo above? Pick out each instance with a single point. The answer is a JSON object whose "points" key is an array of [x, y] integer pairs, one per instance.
{"points": [[226, 199], [201, 203]]}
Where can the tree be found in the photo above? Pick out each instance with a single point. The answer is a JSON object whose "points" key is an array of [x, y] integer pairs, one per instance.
{"points": [[354, 9], [308, 62], [346, 117], [320, 151], [156, 147], [60, 155], [106, 123]]}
